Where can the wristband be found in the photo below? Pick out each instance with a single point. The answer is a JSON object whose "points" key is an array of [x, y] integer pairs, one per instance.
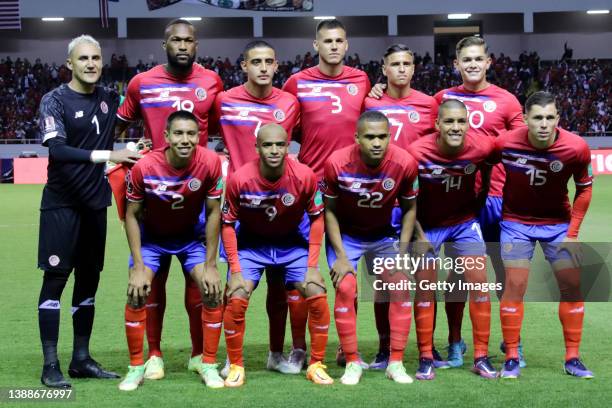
{"points": [[100, 156]]}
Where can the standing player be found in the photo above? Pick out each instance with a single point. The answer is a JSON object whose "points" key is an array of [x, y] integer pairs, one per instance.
{"points": [[152, 96], [243, 110], [77, 120], [331, 99], [447, 208], [361, 185], [166, 191], [411, 115], [269, 196], [539, 161], [491, 111]]}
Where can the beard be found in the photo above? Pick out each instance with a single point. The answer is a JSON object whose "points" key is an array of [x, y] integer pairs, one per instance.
{"points": [[179, 65]]}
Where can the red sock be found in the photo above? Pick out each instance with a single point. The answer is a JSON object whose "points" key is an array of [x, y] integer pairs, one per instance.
{"points": [[511, 309], [318, 326], [298, 314], [234, 327], [400, 316], [571, 315], [424, 315], [276, 307], [193, 305], [480, 315], [135, 323], [480, 309], [511, 316], [381, 314], [454, 316], [212, 320], [156, 307], [346, 317]]}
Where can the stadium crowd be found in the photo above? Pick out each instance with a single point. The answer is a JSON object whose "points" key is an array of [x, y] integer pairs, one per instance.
{"points": [[583, 86]]}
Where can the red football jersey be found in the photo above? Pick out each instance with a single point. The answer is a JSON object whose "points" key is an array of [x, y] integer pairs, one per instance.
{"points": [[410, 118], [271, 209], [492, 111], [447, 194], [241, 115], [366, 196], [536, 180], [174, 198], [330, 107], [153, 95]]}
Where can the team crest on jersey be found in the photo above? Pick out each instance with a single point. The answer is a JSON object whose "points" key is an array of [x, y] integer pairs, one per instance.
{"points": [[49, 124], [104, 107], [556, 166], [352, 89], [194, 184], [413, 116], [225, 208], [388, 184], [489, 106], [507, 247], [279, 115], [470, 168], [355, 185], [288, 199], [201, 94], [54, 260], [437, 171]]}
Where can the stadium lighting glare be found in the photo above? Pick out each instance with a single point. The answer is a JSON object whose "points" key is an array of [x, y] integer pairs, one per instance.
{"points": [[192, 18], [459, 16], [324, 17], [598, 11], [53, 19]]}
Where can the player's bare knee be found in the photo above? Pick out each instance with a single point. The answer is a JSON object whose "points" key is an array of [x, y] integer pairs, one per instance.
{"points": [[313, 289]]}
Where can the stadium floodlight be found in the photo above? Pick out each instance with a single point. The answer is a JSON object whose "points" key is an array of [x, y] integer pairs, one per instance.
{"points": [[324, 17], [598, 11], [53, 19], [192, 18], [459, 16]]}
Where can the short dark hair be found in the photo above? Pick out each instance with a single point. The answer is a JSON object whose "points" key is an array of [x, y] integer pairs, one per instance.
{"points": [[470, 41], [329, 25], [256, 44], [540, 98], [372, 116], [398, 48], [451, 103], [181, 114], [177, 21]]}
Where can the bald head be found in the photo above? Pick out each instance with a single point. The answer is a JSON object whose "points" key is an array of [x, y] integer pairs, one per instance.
{"points": [[272, 146], [451, 104], [271, 131]]}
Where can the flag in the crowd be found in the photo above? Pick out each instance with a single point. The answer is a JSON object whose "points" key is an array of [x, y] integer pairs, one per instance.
{"points": [[9, 15], [157, 4], [103, 5]]}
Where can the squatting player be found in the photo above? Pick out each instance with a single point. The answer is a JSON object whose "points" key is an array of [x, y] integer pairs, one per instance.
{"points": [[166, 191], [539, 161], [331, 99], [412, 115], [491, 111], [269, 196], [361, 185], [152, 96], [77, 120], [242, 111], [448, 204]]}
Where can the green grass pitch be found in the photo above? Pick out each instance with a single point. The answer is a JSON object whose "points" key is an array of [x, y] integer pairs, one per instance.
{"points": [[542, 383]]}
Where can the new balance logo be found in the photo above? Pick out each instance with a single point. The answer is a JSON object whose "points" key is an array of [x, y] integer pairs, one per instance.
{"points": [[78, 114], [293, 298], [406, 304], [577, 310], [213, 325], [152, 305], [322, 327], [437, 171], [482, 299], [509, 309], [230, 331], [356, 185], [521, 160], [423, 304], [132, 324], [50, 305], [341, 309]]}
